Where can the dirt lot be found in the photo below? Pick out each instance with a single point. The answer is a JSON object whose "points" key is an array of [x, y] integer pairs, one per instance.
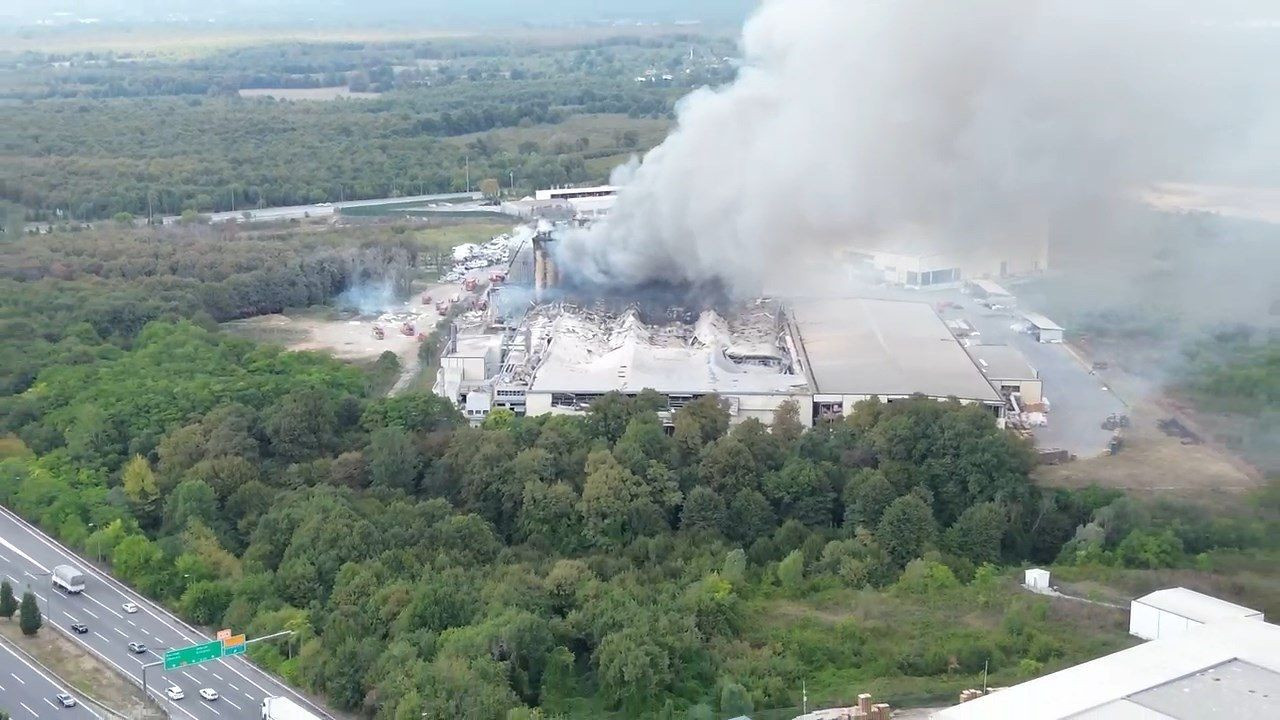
{"points": [[81, 670], [1151, 460]]}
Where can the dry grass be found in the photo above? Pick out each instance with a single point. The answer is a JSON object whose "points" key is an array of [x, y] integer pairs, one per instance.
{"points": [[81, 670], [1154, 462]]}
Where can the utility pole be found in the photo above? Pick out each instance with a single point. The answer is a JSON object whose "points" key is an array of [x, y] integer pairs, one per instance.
{"points": [[513, 182], [804, 697], [467, 159], [149, 219]]}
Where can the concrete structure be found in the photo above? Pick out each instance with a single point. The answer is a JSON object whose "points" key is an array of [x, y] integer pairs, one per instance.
{"points": [[923, 257], [984, 289], [1045, 330], [1172, 612], [570, 193], [852, 349], [825, 355], [1036, 579], [1009, 372]]}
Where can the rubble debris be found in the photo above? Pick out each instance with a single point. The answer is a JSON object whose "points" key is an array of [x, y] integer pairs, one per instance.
{"points": [[1174, 428], [1115, 421]]}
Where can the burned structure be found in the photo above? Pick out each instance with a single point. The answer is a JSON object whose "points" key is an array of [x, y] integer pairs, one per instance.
{"points": [[561, 347]]}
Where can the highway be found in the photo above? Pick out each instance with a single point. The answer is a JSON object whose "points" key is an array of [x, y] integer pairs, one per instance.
{"points": [[26, 691], [27, 556]]}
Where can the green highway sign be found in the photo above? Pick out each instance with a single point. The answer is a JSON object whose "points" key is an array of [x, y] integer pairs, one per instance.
{"points": [[179, 657], [235, 650]]}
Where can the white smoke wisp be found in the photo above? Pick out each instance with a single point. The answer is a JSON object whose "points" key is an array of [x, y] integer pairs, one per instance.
{"points": [[855, 122]]}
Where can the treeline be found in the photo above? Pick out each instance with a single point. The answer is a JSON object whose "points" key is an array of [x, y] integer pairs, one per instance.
{"points": [[72, 299], [376, 66], [93, 159]]}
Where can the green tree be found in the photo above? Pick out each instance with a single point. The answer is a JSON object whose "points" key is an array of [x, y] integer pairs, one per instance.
{"points": [[8, 603], [191, 500], [393, 459], [735, 567], [559, 682], [735, 700], [703, 512], [139, 483], [906, 529], [204, 602], [29, 617], [866, 496], [977, 534], [634, 671], [791, 570]]}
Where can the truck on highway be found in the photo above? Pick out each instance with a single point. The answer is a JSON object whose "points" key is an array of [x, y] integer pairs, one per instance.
{"points": [[68, 578], [282, 708]]}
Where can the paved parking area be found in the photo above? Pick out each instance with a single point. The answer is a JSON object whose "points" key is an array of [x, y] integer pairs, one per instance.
{"points": [[1079, 400]]}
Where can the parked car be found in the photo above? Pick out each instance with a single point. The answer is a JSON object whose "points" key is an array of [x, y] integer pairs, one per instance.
{"points": [[208, 693], [138, 647], [174, 692], [130, 608], [80, 628], [65, 700]]}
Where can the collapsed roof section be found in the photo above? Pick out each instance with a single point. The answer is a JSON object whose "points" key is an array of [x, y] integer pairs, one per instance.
{"points": [[574, 349]]}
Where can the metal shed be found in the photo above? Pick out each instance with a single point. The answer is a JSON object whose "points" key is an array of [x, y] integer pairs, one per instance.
{"points": [[1046, 330]]}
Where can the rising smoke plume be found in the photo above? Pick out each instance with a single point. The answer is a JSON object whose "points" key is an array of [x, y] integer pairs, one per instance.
{"points": [[855, 122]]}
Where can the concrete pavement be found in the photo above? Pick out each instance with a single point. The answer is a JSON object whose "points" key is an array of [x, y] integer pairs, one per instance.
{"points": [[26, 691], [26, 557]]}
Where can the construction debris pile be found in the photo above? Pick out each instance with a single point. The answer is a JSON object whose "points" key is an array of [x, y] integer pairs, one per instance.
{"points": [[864, 710], [470, 256]]}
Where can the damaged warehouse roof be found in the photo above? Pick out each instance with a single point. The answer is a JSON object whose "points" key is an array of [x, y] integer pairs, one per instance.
{"points": [[580, 351], [860, 346]]}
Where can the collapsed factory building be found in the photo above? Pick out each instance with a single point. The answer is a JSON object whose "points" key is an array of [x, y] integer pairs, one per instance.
{"points": [[536, 351]]}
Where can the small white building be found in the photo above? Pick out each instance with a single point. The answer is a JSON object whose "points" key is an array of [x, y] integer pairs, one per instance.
{"points": [[1009, 371], [1045, 330], [1174, 611], [1036, 579]]}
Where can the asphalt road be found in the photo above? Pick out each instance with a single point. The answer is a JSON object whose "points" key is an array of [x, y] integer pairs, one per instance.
{"points": [[27, 692], [27, 556]]}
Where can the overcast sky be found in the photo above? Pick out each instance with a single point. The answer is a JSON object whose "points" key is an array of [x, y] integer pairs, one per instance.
{"points": [[493, 13]]}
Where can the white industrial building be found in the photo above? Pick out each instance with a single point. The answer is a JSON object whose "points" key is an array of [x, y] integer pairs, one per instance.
{"points": [[1174, 611], [1227, 667], [919, 257], [1044, 329], [825, 355], [1008, 370]]}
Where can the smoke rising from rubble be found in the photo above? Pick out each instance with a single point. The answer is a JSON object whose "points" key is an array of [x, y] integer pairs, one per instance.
{"points": [[856, 121]]}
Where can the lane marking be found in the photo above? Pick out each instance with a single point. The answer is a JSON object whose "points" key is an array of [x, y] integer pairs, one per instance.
{"points": [[123, 591], [121, 632], [90, 613], [104, 637], [232, 704], [15, 677], [233, 686], [193, 679], [33, 712], [55, 707], [216, 675]]}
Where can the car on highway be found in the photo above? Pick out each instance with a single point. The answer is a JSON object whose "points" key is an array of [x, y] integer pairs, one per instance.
{"points": [[208, 693], [174, 692], [138, 647], [65, 700], [129, 608], [80, 628]]}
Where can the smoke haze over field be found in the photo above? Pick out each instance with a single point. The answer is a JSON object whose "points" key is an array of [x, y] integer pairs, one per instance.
{"points": [[953, 121]]}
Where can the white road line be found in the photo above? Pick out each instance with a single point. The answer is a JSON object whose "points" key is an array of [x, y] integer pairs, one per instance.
{"points": [[2, 557], [120, 588], [216, 675], [89, 612], [232, 704], [132, 623], [104, 637], [193, 679], [33, 712], [2, 689], [215, 712], [120, 632], [55, 707], [15, 677], [233, 686]]}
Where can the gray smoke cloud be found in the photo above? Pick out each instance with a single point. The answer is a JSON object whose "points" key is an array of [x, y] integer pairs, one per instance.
{"points": [[958, 122]]}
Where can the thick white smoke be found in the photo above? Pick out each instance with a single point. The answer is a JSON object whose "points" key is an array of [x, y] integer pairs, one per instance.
{"points": [[856, 121]]}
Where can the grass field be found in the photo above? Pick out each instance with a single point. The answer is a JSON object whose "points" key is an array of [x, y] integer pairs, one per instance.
{"points": [[444, 237], [601, 130]]}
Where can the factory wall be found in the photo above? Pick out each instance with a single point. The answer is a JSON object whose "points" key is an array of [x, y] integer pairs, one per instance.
{"points": [[1031, 390], [741, 407]]}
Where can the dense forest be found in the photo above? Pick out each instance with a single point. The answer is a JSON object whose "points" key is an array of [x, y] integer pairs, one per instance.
{"points": [[96, 135], [573, 566]]}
